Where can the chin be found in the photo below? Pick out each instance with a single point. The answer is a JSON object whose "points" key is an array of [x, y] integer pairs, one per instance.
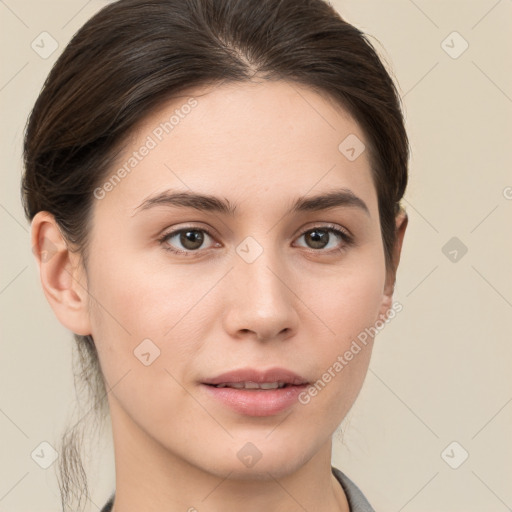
{"points": [[248, 462]]}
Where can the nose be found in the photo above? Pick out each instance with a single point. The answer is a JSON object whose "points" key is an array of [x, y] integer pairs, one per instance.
{"points": [[260, 302]]}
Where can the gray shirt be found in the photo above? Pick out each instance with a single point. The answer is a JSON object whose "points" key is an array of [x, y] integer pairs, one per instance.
{"points": [[356, 500]]}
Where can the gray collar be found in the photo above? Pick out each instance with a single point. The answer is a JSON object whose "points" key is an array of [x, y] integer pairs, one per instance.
{"points": [[356, 499]]}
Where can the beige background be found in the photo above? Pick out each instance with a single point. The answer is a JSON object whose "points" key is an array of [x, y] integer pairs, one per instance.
{"points": [[441, 370]]}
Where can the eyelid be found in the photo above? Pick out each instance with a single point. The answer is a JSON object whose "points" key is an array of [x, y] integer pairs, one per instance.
{"points": [[190, 226], [326, 225]]}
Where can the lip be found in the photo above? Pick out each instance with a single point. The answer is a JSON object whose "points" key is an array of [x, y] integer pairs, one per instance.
{"points": [[259, 376], [256, 402]]}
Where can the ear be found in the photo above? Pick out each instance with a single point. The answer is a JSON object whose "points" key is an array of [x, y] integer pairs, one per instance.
{"points": [[62, 274], [401, 221]]}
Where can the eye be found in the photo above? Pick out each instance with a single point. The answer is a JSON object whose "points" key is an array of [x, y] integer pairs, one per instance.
{"points": [[320, 237], [190, 238]]}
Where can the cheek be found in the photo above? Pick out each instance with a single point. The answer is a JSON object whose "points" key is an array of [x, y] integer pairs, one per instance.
{"points": [[146, 313], [348, 300], [136, 298], [347, 305], [136, 311]]}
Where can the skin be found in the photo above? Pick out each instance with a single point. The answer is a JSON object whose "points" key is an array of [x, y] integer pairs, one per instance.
{"points": [[260, 145]]}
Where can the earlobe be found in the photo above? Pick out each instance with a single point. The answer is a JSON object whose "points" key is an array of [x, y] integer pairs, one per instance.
{"points": [[61, 274], [401, 222]]}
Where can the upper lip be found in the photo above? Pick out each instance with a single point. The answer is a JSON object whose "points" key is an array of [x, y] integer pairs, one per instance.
{"points": [[258, 376]]}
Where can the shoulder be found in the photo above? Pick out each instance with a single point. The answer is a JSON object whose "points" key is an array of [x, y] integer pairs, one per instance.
{"points": [[356, 499]]}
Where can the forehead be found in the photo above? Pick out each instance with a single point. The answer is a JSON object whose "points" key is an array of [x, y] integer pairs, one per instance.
{"points": [[248, 142]]}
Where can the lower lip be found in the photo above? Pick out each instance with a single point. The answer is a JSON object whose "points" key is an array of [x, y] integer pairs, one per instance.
{"points": [[258, 402]]}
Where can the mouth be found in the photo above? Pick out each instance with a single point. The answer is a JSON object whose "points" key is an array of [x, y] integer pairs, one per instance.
{"points": [[253, 392]]}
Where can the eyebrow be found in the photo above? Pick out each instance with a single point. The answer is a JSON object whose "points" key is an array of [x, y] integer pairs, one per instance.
{"points": [[204, 202]]}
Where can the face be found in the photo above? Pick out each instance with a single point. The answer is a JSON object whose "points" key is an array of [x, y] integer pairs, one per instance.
{"points": [[183, 293]]}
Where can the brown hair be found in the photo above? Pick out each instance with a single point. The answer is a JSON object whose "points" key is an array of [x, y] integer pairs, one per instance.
{"points": [[134, 55]]}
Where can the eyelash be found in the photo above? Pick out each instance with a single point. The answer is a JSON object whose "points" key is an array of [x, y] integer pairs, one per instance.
{"points": [[345, 236]]}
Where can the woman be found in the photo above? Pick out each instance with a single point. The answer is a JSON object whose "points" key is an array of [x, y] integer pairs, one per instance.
{"points": [[214, 188]]}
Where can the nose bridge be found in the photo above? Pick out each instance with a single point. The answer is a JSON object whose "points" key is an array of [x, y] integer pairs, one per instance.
{"points": [[261, 300], [263, 284]]}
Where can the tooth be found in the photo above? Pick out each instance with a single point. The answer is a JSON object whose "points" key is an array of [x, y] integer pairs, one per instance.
{"points": [[252, 385], [269, 385]]}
